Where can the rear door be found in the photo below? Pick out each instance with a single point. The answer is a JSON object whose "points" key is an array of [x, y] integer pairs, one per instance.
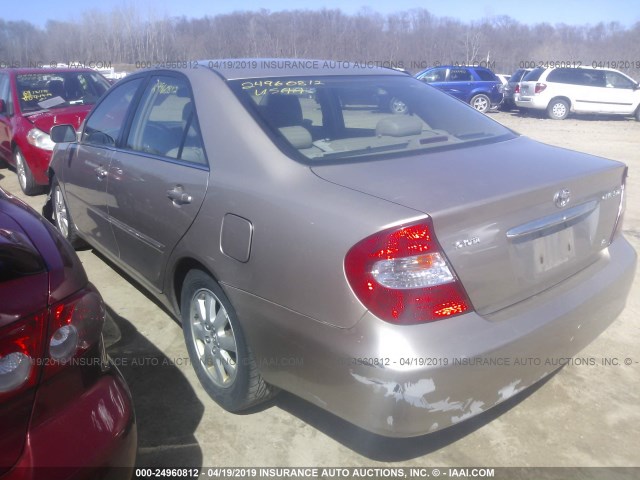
{"points": [[85, 169], [158, 180]]}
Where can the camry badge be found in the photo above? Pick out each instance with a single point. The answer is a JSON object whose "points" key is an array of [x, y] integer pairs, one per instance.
{"points": [[562, 198]]}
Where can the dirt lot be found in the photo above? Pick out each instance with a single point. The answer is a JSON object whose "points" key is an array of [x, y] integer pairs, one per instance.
{"points": [[582, 416]]}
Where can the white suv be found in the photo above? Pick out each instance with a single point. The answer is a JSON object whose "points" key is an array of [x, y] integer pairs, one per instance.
{"points": [[579, 90]]}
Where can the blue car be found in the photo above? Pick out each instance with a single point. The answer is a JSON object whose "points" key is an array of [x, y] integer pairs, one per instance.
{"points": [[478, 86]]}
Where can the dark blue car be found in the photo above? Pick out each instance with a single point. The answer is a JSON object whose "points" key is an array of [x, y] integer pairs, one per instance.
{"points": [[478, 86]]}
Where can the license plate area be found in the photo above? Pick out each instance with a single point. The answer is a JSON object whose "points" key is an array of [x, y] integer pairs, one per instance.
{"points": [[553, 250]]}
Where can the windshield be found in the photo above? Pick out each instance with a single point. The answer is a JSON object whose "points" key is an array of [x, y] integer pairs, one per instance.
{"points": [[47, 90], [335, 119]]}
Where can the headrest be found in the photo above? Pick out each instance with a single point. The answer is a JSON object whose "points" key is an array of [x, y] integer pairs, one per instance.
{"points": [[399, 126], [299, 137]]}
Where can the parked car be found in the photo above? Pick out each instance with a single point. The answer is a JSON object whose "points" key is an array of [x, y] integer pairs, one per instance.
{"points": [[512, 87], [478, 86], [31, 102], [504, 78], [559, 91], [65, 411], [351, 257]]}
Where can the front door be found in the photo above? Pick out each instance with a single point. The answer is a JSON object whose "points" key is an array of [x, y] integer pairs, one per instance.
{"points": [[86, 168]]}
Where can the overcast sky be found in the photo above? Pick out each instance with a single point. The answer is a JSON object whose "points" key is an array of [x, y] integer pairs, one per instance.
{"points": [[572, 12]]}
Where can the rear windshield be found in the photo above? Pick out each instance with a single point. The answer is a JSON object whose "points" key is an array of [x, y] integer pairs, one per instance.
{"points": [[38, 91], [517, 75], [337, 119], [533, 75], [18, 257]]}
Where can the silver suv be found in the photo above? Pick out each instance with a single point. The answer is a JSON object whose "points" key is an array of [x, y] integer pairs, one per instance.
{"points": [[560, 91]]}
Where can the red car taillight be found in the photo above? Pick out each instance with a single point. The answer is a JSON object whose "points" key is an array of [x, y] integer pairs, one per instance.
{"points": [[21, 349], [540, 87], [402, 276], [517, 89], [74, 326]]}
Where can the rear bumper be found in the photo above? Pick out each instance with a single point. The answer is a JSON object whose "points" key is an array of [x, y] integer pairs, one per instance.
{"points": [[404, 381], [93, 436], [531, 102]]}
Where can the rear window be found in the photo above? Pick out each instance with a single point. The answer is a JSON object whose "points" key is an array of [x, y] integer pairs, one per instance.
{"points": [[486, 76], [575, 76], [38, 91], [518, 74], [337, 119], [533, 75]]}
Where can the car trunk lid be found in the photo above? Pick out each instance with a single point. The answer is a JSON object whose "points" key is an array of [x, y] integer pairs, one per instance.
{"points": [[501, 212]]}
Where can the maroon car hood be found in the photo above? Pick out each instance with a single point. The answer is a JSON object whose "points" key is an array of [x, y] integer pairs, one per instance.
{"points": [[59, 116]]}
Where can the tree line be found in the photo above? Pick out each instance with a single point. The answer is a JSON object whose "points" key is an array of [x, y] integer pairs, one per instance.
{"points": [[413, 39]]}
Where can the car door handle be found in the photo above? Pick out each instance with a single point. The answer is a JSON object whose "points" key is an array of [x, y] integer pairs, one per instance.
{"points": [[179, 196], [101, 172]]}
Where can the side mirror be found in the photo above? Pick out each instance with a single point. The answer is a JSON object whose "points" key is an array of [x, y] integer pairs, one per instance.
{"points": [[63, 134], [3, 107]]}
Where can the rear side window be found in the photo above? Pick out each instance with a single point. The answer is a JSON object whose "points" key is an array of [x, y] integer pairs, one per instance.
{"points": [[533, 75], [486, 76], [165, 122], [105, 123]]}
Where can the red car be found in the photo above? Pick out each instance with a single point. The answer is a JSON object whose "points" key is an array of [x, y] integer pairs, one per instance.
{"points": [[31, 102], [65, 410]]}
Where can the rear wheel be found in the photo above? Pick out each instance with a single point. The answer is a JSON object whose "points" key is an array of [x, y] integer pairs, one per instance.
{"points": [[25, 177], [480, 102], [638, 114], [558, 109], [223, 361]]}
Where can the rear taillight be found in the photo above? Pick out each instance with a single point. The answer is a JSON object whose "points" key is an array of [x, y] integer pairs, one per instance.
{"points": [[20, 353], [540, 87], [76, 325], [517, 88], [402, 276]]}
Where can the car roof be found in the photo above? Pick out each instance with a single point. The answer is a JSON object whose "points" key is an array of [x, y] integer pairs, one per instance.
{"points": [[240, 68]]}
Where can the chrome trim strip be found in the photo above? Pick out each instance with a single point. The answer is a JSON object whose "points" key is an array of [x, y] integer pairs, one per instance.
{"points": [[571, 215]]}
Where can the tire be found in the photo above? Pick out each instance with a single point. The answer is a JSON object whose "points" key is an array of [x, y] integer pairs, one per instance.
{"points": [[229, 376], [480, 102], [638, 114], [25, 177], [397, 106], [61, 216], [558, 109]]}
